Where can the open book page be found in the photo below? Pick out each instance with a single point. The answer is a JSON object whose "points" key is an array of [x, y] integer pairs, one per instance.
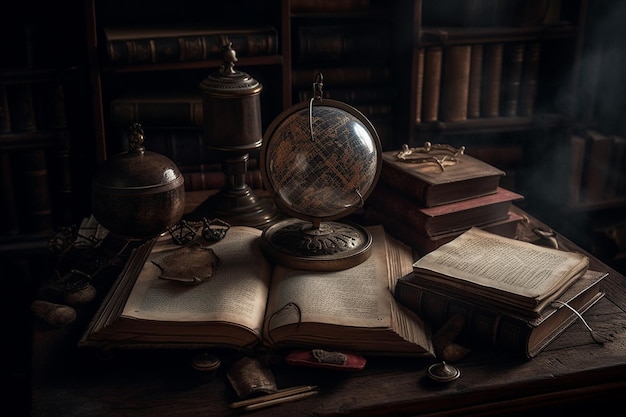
{"points": [[400, 260], [501, 267], [236, 292], [355, 306], [352, 297]]}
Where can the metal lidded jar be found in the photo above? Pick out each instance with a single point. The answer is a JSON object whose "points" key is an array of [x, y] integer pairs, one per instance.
{"points": [[138, 194], [231, 107]]}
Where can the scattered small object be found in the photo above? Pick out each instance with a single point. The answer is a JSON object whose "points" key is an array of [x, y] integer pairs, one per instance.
{"points": [[56, 315], [443, 372], [279, 397], [546, 238], [214, 229], [80, 296], [191, 264], [249, 377], [206, 363], [319, 358], [443, 339]]}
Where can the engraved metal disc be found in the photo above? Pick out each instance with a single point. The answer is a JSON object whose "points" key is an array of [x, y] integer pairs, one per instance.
{"points": [[333, 246]]}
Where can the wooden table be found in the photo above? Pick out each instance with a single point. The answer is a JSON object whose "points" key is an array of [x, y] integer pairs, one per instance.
{"points": [[574, 376]]}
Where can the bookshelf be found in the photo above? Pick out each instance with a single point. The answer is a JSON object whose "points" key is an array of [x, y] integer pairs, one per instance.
{"points": [[42, 123], [499, 78], [112, 78]]}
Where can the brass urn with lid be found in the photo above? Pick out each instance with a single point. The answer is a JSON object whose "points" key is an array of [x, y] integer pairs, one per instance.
{"points": [[232, 126], [138, 194]]}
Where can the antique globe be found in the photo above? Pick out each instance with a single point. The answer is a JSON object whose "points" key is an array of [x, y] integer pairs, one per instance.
{"points": [[320, 160]]}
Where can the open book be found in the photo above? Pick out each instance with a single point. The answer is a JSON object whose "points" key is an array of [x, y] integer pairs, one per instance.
{"points": [[248, 302], [505, 274]]}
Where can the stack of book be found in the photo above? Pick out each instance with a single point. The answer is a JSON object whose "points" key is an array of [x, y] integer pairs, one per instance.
{"points": [[426, 204], [510, 295]]}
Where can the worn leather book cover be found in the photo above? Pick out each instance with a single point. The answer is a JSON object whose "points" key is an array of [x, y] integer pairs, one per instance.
{"points": [[455, 83], [431, 186], [475, 82], [343, 75], [445, 218], [158, 109], [512, 77], [577, 162], [492, 329], [492, 78], [422, 244], [433, 61], [148, 45], [596, 169], [530, 75], [319, 44]]}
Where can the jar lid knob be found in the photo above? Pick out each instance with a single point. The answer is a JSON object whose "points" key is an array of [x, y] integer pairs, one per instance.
{"points": [[136, 138]]}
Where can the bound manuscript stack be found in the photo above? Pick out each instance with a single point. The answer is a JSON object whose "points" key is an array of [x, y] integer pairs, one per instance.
{"points": [[510, 294], [429, 197]]}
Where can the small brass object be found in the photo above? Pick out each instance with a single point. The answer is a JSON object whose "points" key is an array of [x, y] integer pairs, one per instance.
{"points": [[440, 154], [443, 372]]}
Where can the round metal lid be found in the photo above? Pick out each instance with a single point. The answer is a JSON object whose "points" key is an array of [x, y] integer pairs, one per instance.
{"points": [[137, 169], [227, 81]]}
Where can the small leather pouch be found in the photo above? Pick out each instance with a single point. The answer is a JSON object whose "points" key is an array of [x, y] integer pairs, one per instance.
{"points": [[249, 377]]}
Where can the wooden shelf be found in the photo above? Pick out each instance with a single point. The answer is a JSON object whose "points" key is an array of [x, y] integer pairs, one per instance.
{"points": [[494, 124], [432, 36], [208, 64], [39, 139]]}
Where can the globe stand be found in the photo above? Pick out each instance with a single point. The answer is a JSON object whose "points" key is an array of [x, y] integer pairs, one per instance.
{"points": [[236, 203], [320, 160], [327, 246]]}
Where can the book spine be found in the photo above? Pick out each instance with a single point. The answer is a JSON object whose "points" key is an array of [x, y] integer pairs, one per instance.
{"points": [[482, 327], [528, 91], [512, 76], [617, 171], [596, 170], [404, 182], [577, 161], [50, 108], [419, 84], [492, 77], [60, 183], [455, 83], [33, 192], [182, 146], [157, 113], [347, 43], [353, 96], [475, 80], [8, 208], [324, 6], [422, 244], [343, 76], [21, 107], [433, 60], [391, 203], [5, 116], [457, 218], [174, 49]]}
